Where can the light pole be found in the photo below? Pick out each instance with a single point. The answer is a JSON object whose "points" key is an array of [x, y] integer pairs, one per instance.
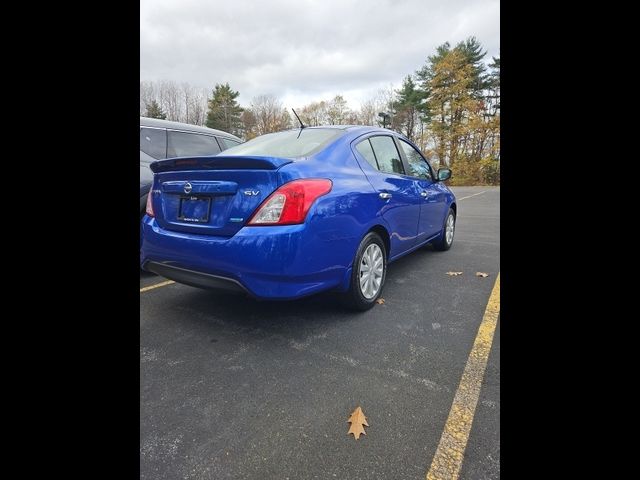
{"points": [[384, 116]]}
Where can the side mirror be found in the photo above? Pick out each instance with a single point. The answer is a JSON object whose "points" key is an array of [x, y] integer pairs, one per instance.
{"points": [[444, 174]]}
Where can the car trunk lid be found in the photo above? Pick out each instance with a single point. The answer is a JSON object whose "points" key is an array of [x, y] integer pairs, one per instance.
{"points": [[212, 195]]}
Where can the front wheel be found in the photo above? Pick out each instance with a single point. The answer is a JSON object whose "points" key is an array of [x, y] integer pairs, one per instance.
{"points": [[368, 273], [445, 240]]}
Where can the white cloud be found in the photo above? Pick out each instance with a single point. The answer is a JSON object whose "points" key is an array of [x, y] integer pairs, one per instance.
{"points": [[304, 50]]}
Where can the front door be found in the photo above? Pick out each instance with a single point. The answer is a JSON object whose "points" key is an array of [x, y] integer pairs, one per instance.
{"points": [[432, 198]]}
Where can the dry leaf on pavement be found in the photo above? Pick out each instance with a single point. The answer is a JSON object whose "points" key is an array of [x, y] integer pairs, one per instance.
{"points": [[380, 301], [357, 420], [481, 274], [454, 274]]}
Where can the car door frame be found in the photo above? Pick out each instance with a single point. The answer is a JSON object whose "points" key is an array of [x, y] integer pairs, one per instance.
{"points": [[433, 203], [399, 245]]}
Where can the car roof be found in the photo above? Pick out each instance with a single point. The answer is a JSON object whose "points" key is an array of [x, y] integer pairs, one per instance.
{"points": [[156, 122], [354, 131], [351, 128]]}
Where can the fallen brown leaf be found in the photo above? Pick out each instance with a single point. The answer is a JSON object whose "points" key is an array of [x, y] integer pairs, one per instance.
{"points": [[357, 420], [481, 274], [454, 274], [380, 301]]}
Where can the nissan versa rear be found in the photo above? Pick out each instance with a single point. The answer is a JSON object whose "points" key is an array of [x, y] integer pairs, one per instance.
{"points": [[293, 213]]}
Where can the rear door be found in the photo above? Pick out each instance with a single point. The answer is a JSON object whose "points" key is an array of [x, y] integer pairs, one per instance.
{"points": [[397, 194], [432, 199]]}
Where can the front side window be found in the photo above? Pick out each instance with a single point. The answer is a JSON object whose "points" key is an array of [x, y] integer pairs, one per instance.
{"points": [[153, 142], [387, 154], [183, 144], [418, 166]]}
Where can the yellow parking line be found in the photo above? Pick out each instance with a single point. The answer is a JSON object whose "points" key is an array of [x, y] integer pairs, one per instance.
{"points": [[469, 196], [450, 453], [157, 285]]}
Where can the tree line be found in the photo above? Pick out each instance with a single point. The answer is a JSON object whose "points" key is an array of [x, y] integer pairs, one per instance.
{"points": [[450, 108]]}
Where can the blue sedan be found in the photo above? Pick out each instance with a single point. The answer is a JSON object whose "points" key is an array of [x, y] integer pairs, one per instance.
{"points": [[297, 212]]}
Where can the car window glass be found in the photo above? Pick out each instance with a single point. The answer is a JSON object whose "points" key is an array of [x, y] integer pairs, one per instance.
{"points": [[293, 143], [387, 154], [366, 151], [153, 142], [227, 143], [146, 158], [182, 144], [418, 166]]}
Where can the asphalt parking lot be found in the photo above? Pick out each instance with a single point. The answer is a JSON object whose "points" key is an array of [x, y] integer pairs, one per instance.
{"points": [[234, 388]]}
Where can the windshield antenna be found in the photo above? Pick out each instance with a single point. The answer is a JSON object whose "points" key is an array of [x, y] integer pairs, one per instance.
{"points": [[302, 125]]}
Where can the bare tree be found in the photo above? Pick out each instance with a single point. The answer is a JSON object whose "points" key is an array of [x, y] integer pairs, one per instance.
{"points": [[380, 102], [368, 114], [269, 114], [248, 124], [337, 110], [314, 114], [353, 118], [181, 103], [187, 95], [194, 106], [199, 105], [170, 100], [285, 119], [147, 95]]}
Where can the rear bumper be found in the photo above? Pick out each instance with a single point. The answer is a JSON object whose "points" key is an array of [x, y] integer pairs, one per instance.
{"points": [[193, 278], [282, 262]]}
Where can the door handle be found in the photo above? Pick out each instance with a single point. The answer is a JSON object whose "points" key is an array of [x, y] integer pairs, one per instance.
{"points": [[385, 195], [423, 194]]}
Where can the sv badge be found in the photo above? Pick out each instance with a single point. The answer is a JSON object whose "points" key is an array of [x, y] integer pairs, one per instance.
{"points": [[252, 193]]}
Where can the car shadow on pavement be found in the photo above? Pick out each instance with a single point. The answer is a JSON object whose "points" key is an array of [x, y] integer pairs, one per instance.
{"points": [[237, 311], [242, 310]]}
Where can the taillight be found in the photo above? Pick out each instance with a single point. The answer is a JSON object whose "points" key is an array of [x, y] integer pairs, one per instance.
{"points": [[290, 203], [150, 205]]}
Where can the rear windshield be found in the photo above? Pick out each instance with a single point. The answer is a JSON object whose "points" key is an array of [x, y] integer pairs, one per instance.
{"points": [[288, 144]]}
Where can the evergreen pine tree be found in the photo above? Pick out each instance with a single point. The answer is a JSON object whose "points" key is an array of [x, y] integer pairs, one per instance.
{"points": [[154, 111], [224, 113]]}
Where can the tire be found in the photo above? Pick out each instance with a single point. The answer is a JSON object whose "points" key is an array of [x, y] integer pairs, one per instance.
{"points": [[445, 241], [363, 295]]}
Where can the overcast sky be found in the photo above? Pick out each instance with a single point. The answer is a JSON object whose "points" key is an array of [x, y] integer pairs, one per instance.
{"points": [[304, 50]]}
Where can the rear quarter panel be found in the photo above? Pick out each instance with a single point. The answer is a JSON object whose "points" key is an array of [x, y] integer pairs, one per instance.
{"points": [[337, 222]]}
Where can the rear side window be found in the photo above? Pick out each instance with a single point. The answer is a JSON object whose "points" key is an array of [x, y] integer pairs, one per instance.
{"points": [[366, 151], [182, 144], [153, 142], [387, 154], [227, 143], [418, 166]]}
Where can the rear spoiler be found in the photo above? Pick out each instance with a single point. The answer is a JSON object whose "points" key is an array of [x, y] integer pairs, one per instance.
{"points": [[219, 163]]}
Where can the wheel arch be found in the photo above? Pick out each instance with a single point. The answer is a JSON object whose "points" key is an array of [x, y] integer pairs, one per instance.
{"points": [[384, 234], [386, 239]]}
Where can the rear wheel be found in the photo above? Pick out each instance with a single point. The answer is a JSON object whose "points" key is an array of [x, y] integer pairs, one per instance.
{"points": [[368, 273], [445, 240]]}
